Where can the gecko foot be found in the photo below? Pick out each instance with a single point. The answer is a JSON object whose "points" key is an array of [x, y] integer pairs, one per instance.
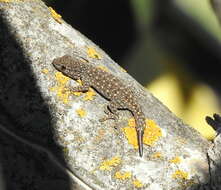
{"points": [[111, 113], [109, 116]]}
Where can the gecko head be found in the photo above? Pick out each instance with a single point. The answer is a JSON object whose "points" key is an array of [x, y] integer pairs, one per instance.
{"points": [[68, 65], [62, 63]]}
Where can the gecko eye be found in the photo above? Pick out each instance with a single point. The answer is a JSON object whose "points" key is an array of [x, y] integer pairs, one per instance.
{"points": [[63, 67]]}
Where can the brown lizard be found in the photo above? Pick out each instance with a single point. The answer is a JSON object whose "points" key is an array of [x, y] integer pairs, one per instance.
{"points": [[112, 88]]}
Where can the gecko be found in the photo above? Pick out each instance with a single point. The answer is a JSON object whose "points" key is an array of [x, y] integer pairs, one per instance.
{"points": [[115, 90]]}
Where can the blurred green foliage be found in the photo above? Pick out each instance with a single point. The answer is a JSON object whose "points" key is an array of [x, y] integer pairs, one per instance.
{"points": [[202, 12]]}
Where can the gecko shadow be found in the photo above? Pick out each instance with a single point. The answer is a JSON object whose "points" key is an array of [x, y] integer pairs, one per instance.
{"points": [[24, 115]]}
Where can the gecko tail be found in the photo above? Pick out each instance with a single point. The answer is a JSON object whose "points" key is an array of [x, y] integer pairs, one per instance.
{"points": [[140, 141]]}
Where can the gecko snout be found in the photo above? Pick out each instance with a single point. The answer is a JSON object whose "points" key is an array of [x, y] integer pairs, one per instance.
{"points": [[57, 64]]}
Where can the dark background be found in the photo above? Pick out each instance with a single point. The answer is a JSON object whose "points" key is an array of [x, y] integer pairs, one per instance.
{"points": [[118, 29]]}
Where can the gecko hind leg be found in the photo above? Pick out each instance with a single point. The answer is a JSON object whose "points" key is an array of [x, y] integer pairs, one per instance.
{"points": [[111, 111]]}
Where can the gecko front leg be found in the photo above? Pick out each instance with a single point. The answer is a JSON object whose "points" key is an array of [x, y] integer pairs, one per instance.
{"points": [[81, 88]]}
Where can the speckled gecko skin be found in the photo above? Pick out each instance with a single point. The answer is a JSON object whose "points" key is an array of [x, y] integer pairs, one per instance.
{"points": [[112, 88]]}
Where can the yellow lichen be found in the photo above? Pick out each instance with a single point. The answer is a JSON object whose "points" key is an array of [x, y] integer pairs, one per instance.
{"points": [[76, 93], [93, 53], [178, 174], [137, 183], [131, 122], [55, 15], [123, 176], [151, 133], [157, 155], [103, 68], [61, 79], [90, 94], [81, 112], [130, 133], [80, 82], [109, 164], [175, 160], [45, 71], [62, 92]]}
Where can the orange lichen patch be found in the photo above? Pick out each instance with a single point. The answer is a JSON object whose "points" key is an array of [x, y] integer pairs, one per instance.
{"points": [[131, 135], [109, 164], [157, 155], [178, 174], [123, 176], [90, 94], [152, 132], [45, 71], [61, 79], [81, 112], [93, 53], [175, 160], [63, 93], [55, 15], [137, 183], [103, 68], [80, 82]]}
